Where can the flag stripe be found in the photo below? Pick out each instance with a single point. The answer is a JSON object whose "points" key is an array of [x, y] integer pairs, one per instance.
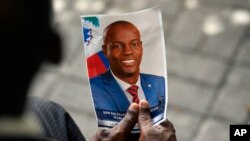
{"points": [[104, 59], [95, 66]]}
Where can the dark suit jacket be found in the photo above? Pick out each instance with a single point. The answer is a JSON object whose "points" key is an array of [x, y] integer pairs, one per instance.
{"points": [[24, 138], [55, 121], [108, 95]]}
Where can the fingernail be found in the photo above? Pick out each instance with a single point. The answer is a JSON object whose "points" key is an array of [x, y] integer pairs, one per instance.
{"points": [[143, 104], [133, 107], [104, 133]]}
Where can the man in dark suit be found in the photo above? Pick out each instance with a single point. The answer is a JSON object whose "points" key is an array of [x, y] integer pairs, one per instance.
{"points": [[123, 83]]}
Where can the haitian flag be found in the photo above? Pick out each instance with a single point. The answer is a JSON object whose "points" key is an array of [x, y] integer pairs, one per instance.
{"points": [[96, 61]]}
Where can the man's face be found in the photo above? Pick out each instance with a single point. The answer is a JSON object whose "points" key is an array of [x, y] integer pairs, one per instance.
{"points": [[123, 48]]}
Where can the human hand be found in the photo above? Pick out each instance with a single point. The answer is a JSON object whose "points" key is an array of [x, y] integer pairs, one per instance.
{"points": [[162, 132], [121, 130]]}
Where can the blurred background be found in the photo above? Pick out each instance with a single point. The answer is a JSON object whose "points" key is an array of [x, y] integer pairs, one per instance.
{"points": [[208, 63]]}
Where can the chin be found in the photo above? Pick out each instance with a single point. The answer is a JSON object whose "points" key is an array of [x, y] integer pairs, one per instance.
{"points": [[129, 73]]}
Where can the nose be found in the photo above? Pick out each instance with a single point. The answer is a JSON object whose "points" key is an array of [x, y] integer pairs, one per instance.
{"points": [[127, 50]]}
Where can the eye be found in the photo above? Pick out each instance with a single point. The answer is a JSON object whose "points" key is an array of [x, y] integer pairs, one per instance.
{"points": [[135, 44], [116, 46]]}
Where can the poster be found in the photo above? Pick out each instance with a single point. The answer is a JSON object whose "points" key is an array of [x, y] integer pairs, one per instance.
{"points": [[126, 50]]}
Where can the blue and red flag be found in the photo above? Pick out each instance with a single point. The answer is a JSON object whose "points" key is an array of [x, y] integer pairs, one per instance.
{"points": [[97, 63]]}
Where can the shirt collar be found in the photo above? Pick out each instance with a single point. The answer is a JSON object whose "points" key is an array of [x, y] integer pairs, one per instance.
{"points": [[125, 85]]}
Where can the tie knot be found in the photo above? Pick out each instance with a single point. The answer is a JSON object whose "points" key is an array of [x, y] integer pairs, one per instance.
{"points": [[133, 91]]}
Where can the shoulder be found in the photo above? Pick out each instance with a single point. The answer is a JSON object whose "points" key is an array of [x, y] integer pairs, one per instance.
{"points": [[96, 78], [100, 76], [39, 104], [152, 77], [106, 76], [45, 110], [96, 81], [55, 122]]}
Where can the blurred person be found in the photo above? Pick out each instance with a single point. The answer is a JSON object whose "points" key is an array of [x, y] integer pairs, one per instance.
{"points": [[28, 41]]}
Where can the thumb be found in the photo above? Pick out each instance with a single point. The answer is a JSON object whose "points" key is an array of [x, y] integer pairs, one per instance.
{"points": [[130, 119], [144, 118]]}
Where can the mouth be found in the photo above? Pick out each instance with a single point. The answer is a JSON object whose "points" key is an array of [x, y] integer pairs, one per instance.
{"points": [[128, 62]]}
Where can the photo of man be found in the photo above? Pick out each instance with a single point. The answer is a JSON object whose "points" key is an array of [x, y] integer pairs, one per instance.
{"points": [[126, 61], [123, 83]]}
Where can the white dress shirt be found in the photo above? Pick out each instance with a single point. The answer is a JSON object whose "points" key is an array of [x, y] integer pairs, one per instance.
{"points": [[125, 86]]}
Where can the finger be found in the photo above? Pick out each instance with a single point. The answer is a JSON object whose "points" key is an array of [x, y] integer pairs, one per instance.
{"points": [[103, 133], [168, 124], [130, 119], [144, 118]]}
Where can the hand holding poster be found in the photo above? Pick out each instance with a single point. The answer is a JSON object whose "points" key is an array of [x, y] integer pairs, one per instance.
{"points": [[126, 63]]}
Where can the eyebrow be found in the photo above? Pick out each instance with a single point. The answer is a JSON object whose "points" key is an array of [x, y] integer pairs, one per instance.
{"points": [[130, 41]]}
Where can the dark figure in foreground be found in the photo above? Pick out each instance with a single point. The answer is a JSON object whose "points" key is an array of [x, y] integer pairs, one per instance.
{"points": [[27, 41]]}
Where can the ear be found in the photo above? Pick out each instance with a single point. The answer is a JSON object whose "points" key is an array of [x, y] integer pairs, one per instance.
{"points": [[104, 50]]}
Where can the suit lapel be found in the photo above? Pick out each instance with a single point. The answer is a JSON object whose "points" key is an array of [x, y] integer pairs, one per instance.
{"points": [[149, 91], [116, 92]]}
